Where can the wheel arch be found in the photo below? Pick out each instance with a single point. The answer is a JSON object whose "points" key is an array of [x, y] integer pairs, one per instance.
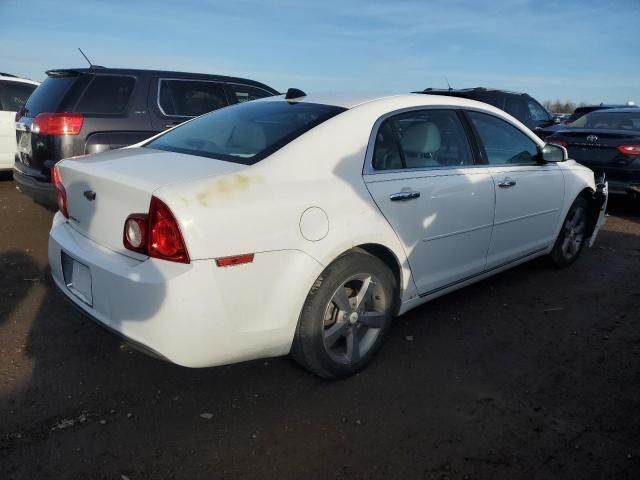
{"points": [[390, 259]]}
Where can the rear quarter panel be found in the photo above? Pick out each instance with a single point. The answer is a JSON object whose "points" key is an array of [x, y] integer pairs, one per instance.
{"points": [[261, 208]]}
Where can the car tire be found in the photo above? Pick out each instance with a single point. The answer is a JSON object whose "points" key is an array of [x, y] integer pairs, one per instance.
{"points": [[572, 236], [341, 328]]}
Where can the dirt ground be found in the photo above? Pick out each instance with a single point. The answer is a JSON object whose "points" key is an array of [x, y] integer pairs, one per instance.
{"points": [[534, 373]]}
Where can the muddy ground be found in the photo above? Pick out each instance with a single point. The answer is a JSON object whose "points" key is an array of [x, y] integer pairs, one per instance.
{"points": [[534, 373]]}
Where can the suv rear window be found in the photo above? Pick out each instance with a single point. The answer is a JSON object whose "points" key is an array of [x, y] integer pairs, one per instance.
{"points": [[13, 95], [245, 133], [190, 98], [48, 96], [106, 94]]}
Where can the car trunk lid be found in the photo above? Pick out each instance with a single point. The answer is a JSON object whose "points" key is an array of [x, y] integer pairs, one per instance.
{"points": [[598, 148], [104, 189]]}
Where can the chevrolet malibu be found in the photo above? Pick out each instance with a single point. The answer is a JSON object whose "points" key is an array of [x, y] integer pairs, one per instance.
{"points": [[303, 224]]}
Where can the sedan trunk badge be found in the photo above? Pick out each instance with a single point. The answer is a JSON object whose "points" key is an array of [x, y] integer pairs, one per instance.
{"points": [[592, 138], [89, 195]]}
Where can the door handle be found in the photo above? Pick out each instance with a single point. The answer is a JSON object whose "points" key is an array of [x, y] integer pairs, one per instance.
{"points": [[172, 124], [507, 183], [404, 196]]}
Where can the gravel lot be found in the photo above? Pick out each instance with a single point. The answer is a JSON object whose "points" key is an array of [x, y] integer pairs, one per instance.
{"points": [[534, 373]]}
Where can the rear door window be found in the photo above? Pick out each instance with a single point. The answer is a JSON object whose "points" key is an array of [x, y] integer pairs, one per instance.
{"points": [[189, 98], [426, 138], [14, 95], [107, 94], [516, 107]]}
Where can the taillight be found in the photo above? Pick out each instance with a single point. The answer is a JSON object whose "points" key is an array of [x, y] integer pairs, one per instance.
{"points": [[562, 143], [156, 234], [57, 123], [61, 193], [629, 149], [135, 233]]}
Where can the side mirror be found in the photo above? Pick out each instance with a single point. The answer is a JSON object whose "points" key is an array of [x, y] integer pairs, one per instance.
{"points": [[557, 120], [552, 153]]}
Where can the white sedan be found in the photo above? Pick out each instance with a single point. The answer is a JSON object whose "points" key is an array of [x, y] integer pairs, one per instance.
{"points": [[303, 224]]}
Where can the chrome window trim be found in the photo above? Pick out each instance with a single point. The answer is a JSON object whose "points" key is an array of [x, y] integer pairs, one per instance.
{"points": [[368, 163], [186, 80]]}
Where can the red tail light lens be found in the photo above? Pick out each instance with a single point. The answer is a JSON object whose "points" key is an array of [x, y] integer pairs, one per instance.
{"points": [[61, 193], [562, 143], [57, 123], [157, 234], [629, 149]]}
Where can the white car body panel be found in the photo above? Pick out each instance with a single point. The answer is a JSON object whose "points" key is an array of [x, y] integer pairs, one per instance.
{"points": [[297, 211], [8, 144]]}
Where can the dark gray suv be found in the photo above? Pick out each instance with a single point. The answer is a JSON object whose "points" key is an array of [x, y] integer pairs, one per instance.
{"points": [[88, 110], [519, 105]]}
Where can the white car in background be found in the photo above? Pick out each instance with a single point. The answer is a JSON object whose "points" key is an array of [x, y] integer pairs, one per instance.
{"points": [[303, 224], [14, 93]]}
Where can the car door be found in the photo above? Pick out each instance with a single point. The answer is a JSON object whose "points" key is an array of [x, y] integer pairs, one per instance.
{"points": [[528, 193], [421, 173], [176, 100], [13, 96]]}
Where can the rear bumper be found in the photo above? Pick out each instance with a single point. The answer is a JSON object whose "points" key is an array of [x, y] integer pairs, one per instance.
{"points": [[42, 192], [194, 315]]}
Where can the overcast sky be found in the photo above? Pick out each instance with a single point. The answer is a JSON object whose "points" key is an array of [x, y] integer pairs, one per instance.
{"points": [[570, 50]]}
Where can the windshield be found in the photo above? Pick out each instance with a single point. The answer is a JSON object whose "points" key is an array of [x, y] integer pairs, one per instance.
{"points": [[48, 96], [609, 120], [244, 133]]}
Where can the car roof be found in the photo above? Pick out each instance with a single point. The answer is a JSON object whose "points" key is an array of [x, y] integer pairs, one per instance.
{"points": [[156, 73], [13, 78], [468, 91], [351, 100], [620, 110]]}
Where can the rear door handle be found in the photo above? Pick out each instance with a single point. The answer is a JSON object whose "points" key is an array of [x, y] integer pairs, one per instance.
{"points": [[507, 183], [404, 196]]}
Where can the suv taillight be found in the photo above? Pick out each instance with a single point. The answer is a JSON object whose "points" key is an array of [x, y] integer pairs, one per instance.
{"points": [[156, 234], [629, 149], [57, 123], [61, 193]]}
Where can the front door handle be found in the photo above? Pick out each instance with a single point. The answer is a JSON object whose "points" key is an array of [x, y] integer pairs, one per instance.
{"points": [[404, 196], [507, 183], [171, 125]]}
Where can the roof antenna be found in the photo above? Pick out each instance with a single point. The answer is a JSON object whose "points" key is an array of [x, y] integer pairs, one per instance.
{"points": [[86, 58], [448, 84]]}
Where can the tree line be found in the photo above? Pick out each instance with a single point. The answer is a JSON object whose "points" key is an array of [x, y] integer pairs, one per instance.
{"points": [[559, 106]]}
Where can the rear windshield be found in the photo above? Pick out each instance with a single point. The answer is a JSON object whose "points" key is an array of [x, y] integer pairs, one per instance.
{"points": [[13, 95], [48, 96], [245, 133], [609, 120]]}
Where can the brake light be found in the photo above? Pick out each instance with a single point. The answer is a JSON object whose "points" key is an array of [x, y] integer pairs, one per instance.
{"points": [[629, 149], [562, 143], [57, 123], [61, 193], [156, 234]]}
